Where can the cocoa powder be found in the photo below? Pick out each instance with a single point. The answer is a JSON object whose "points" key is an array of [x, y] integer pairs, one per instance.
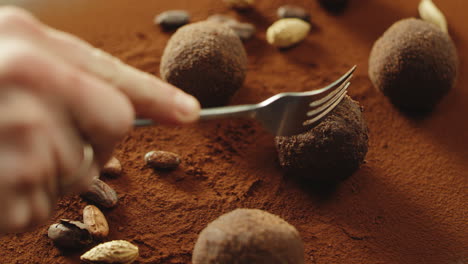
{"points": [[407, 204]]}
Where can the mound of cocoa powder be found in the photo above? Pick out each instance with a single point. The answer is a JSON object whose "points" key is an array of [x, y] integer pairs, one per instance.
{"points": [[405, 205]]}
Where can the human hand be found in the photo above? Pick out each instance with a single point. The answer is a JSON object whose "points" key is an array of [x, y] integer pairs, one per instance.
{"points": [[58, 93]]}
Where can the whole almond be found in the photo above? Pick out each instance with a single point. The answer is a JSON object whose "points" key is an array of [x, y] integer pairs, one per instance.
{"points": [[69, 234], [287, 32], [116, 251], [162, 159], [101, 194], [96, 222], [429, 12], [112, 168]]}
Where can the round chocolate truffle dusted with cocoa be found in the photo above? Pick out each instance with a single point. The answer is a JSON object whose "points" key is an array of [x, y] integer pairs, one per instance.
{"points": [[248, 236], [331, 150], [414, 63], [206, 59]]}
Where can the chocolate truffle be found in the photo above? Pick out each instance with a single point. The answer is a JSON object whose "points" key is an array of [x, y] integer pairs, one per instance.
{"points": [[329, 151], [414, 63], [206, 59], [248, 236]]}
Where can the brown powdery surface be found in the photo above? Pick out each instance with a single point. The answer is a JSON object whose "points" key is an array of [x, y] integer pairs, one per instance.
{"points": [[407, 204]]}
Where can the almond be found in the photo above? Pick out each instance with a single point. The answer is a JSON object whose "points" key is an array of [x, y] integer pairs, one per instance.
{"points": [[287, 32], [96, 222], [116, 251], [429, 12]]}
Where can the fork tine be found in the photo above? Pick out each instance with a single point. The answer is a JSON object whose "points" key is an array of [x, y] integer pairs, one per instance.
{"points": [[328, 109], [321, 108], [336, 83], [331, 94]]}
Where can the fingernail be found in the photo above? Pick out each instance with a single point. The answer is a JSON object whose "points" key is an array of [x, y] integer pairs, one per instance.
{"points": [[188, 107]]}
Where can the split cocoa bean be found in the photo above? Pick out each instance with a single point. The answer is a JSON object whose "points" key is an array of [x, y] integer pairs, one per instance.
{"points": [[162, 159], [101, 194], [69, 234]]}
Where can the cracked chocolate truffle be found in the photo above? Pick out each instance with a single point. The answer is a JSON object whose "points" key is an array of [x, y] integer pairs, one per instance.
{"points": [[414, 63], [248, 236], [205, 59], [331, 150]]}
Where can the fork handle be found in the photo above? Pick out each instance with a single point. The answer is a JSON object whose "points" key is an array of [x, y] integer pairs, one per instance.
{"points": [[215, 113]]}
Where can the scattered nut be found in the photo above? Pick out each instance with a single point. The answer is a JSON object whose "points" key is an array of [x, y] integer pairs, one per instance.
{"points": [[221, 18], [244, 31], [291, 11], [96, 222], [112, 168], [69, 234], [172, 19], [116, 252], [101, 194], [287, 31], [162, 159], [240, 4], [429, 12]]}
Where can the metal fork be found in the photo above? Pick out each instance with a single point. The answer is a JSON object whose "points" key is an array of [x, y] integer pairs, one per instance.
{"points": [[284, 114]]}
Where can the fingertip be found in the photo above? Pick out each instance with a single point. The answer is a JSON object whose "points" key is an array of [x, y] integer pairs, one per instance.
{"points": [[43, 206], [20, 213], [187, 108]]}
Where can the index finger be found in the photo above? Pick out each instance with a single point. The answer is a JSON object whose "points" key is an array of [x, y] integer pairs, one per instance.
{"points": [[150, 96]]}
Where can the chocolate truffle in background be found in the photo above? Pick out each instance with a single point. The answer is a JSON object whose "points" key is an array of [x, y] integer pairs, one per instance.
{"points": [[205, 59], [334, 6], [414, 63], [331, 150], [248, 236]]}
